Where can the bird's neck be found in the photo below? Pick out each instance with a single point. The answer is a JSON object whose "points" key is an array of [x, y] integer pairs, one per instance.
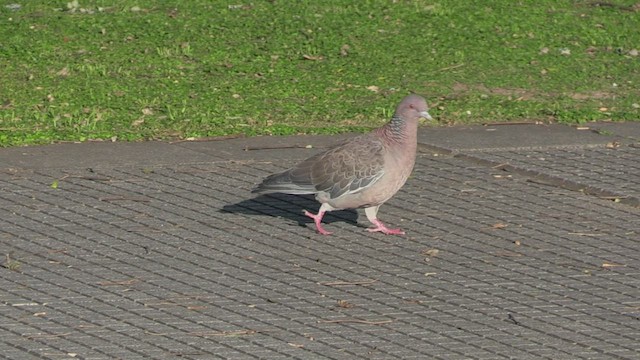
{"points": [[399, 131]]}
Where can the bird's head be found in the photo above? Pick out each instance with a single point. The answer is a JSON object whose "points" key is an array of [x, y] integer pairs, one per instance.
{"points": [[413, 107]]}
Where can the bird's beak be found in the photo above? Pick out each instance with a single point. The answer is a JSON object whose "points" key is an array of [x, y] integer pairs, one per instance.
{"points": [[425, 115]]}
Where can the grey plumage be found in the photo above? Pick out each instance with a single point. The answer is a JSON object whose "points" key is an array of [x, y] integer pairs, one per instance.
{"points": [[362, 172]]}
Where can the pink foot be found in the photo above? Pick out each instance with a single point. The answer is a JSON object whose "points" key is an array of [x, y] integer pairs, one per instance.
{"points": [[385, 230], [317, 219]]}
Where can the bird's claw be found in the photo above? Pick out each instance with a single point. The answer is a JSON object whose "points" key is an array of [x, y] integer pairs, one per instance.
{"points": [[317, 218], [380, 227]]}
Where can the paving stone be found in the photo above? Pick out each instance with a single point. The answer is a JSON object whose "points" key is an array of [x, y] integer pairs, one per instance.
{"points": [[175, 258]]}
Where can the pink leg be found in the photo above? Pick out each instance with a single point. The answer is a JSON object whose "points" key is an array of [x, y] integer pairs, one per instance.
{"points": [[383, 229], [317, 219], [371, 215]]}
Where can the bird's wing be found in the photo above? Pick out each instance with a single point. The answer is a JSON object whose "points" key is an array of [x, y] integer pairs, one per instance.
{"points": [[344, 169]]}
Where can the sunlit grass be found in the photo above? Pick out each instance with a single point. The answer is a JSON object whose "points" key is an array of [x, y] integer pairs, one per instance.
{"points": [[131, 70]]}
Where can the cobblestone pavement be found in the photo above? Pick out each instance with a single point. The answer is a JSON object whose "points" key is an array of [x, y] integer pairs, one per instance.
{"points": [[522, 243]]}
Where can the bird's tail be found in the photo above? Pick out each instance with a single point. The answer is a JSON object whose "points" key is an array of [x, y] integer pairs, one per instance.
{"points": [[283, 183]]}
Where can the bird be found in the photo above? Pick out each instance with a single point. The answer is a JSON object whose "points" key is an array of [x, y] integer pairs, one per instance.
{"points": [[362, 172]]}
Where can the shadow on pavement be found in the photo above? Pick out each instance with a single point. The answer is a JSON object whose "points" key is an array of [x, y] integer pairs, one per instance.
{"points": [[289, 207]]}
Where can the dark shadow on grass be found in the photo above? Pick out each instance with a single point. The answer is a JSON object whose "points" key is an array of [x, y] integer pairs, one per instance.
{"points": [[289, 207]]}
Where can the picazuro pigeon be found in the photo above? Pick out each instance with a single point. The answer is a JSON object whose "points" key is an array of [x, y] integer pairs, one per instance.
{"points": [[362, 172]]}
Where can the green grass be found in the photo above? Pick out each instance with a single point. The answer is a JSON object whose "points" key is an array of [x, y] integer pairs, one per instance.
{"points": [[132, 70]]}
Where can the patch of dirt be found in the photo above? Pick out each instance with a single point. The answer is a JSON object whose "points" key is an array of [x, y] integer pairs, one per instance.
{"points": [[517, 93], [527, 94], [606, 4], [597, 95]]}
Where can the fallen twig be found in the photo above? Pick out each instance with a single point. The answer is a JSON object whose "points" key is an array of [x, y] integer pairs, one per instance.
{"points": [[223, 333], [355, 321], [209, 333], [118, 282], [92, 178], [507, 254], [609, 265], [124, 198], [276, 147], [618, 198], [513, 123], [542, 182], [40, 336], [451, 67], [342, 283], [213, 138], [584, 234], [513, 319]]}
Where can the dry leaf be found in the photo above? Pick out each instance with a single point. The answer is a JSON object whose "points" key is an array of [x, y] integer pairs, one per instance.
{"points": [[147, 111], [499, 226], [430, 252], [344, 50], [373, 88], [345, 304], [63, 72], [312, 57], [138, 122], [6, 105]]}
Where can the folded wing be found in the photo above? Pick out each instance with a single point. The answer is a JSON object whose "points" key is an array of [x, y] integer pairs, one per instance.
{"points": [[344, 169]]}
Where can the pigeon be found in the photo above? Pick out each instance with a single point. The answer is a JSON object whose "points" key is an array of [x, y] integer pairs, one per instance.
{"points": [[362, 172]]}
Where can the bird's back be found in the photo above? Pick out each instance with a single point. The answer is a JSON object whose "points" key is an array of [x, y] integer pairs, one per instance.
{"points": [[345, 168]]}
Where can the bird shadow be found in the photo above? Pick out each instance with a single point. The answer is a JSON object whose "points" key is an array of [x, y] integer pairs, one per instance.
{"points": [[289, 207]]}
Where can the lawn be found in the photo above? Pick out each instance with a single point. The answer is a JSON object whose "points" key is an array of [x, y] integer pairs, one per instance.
{"points": [[133, 70]]}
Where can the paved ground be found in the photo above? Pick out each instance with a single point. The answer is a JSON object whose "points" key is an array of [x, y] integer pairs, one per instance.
{"points": [[522, 243]]}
